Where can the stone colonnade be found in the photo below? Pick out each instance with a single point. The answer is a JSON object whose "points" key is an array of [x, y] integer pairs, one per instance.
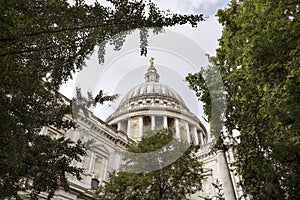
{"points": [[183, 130]]}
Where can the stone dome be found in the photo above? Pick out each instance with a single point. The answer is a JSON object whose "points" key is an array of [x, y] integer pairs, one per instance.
{"points": [[153, 105], [152, 89]]}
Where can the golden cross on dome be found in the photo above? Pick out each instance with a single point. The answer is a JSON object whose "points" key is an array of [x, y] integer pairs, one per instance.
{"points": [[151, 61]]}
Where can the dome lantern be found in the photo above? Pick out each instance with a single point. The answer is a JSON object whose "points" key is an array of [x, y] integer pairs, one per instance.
{"points": [[151, 74]]}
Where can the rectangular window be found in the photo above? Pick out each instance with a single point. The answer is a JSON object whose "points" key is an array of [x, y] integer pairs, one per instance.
{"points": [[98, 167]]}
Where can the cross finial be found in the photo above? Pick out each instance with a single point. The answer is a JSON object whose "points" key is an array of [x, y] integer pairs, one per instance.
{"points": [[151, 61]]}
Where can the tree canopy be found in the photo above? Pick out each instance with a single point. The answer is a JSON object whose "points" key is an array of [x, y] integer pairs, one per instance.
{"points": [[41, 43], [258, 60], [177, 180]]}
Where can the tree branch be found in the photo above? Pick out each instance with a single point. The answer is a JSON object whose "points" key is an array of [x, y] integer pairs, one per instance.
{"points": [[6, 39]]}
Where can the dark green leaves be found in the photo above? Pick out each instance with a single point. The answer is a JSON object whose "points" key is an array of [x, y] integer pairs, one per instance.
{"points": [[258, 60], [42, 43]]}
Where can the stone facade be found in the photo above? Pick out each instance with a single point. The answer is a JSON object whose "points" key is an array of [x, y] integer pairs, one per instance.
{"points": [[148, 106], [105, 148]]}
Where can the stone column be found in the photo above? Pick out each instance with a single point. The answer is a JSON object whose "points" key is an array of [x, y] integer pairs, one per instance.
{"points": [[196, 136], [91, 164], [140, 126], [234, 177], [177, 128], [165, 125], [105, 168], [129, 127], [201, 138], [188, 136], [152, 122], [225, 176], [119, 126]]}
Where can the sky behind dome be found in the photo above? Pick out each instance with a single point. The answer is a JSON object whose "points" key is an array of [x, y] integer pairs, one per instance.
{"points": [[179, 51]]}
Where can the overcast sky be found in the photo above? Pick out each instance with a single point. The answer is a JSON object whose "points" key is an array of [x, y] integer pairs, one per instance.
{"points": [[179, 51]]}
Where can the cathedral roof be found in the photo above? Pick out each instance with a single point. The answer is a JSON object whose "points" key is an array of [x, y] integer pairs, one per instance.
{"points": [[151, 87]]}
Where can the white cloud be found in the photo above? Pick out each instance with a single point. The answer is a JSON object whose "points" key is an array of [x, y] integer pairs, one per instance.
{"points": [[207, 7]]}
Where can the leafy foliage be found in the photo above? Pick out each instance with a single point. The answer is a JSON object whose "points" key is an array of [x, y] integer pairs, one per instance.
{"points": [[42, 43], [174, 181], [82, 103], [208, 85], [258, 60], [219, 195]]}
